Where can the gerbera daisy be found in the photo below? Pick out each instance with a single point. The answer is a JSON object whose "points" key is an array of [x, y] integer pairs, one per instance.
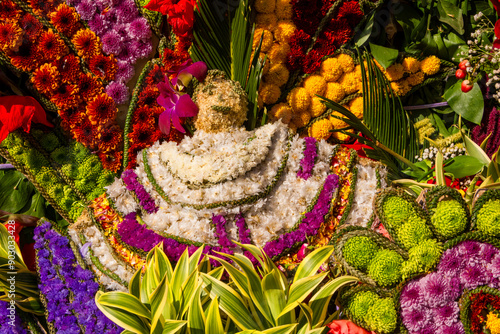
{"points": [[30, 25], [11, 36], [68, 67], [149, 95], [89, 86], [86, 42], [45, 78], [66, 96], [103, 66], [27, 58], [8, 10], [51, 46], [112, 160], [101, 109], [66, 20], [86, 134], [108, 138]]}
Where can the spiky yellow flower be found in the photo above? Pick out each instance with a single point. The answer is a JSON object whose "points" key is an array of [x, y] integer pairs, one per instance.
{"points": [[278, 75], [430, 65], [331, 70], [265, 6], [281, 111], [493, 323], [269, 93], [301, 119], [342, 137], [317, 108], [411, 65], [401, 88], [315, 84], [337, 123], [299, 99], [346, 62], [356, 107], [335, 91], [415, 78], [350, 82], [278, 53], [394, 72], [284, 31], [267, 39], [321, 129], [284, 9], [266, 21]]}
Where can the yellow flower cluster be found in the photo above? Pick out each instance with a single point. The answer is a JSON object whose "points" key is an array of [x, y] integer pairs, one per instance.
{"points": [[274, 24], [493, 323]]}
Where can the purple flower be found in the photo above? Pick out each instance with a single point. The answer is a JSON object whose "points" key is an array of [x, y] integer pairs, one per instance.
{"points": [[139, 29], [457, 328], [416, 318], [436, 290], [307, 161], [451, 262], [111, 43], [447, 315], [10, 322], [86, 9], [132, 184], [469, 248], [126, 11], [220, 231], [473, 276], [124, 72], [118, 91], [243, 231], [412, 295], [97, 25], [488, 252]]}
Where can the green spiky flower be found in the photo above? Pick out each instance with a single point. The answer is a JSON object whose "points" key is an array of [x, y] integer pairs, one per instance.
{"points": [[46, 177], [488, 218], [397, 211], [382, 316], [70, 170], [85, 185], [361, 302], [385, 268], [56, 191], [359, 251], [98, 191], [67, 201], [413, 232], [90, 168], [49, 142], [76, 210], [426, 254], [79, 152], [35, 161], [105, 179], [449, 219], [61, 155]]}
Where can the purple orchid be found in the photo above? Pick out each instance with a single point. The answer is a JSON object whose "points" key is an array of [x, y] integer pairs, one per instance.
{"points": [[176, 103]]}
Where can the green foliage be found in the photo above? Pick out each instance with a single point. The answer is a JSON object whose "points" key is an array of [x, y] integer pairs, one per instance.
{"points": [[397, 211], [358, 251], [449, 219], [385, 268], [488, 218], [361, 302], [49, 142], [382, 316], [413, 232]]}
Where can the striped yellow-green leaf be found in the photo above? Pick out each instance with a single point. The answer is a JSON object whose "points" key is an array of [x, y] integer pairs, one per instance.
{"points": [[310, 265], [204, 265], [239, 279], [158, 301], [196, 317], [214, 321], [162, 264], [256, 252], [134, 286], [307, 313], [173, 326], [189, 288], [30, 305], [194, 259], [284, 329], [475, 150], [230, 302], [122, 318], [181, 273], [275, 297], [300, 289], [126, 302], [440, 181], [4, 245], [144, 291]]}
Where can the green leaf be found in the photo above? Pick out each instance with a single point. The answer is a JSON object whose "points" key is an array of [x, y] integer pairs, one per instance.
{"points": [[189, 289], [124, 301], [238, 278], [300, 289], [173, 326], [474, 150], [451, 15], [194, 259], [275, 297], [134, 286], [15, 191], [366, 32], [181, 273], [469, 105], [463, 166], [385, 56], [196, 317], [284, 329], [4, 245], [310, 265], [214, 321], [440, 181], [37, 207], [158, 301], [308, 313]]}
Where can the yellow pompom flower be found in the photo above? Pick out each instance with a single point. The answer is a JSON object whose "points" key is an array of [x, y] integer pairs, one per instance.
{"points": [[267, 39], [299, 99], [265, 6], [430, 65], [283, 111], [284, 31], [266, 21], [270, 93], [346, 62], [315, 84], [278, 74], [278, 53], [400, 88], [394, 72], [411, 65], [317, 108], [493, 323], [350, 82], [334, 91], [301, 119], [342, 137], [356, 107], [284, 9], [331, 70], [337, 123], [415, 78], [321, 129]]}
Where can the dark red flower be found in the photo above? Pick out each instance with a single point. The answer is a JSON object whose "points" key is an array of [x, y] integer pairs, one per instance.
{"points": [[112, 160], [30, 25], [103, 66], [351, 11], [180, 14]]}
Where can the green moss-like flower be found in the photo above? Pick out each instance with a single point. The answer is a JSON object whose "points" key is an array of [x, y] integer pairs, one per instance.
{"points": [[385, 268], [46, 177], [488, 218], [49, 142], [67, 201], [16, 150], [449, 219], [359, 251], [361, 302], [70, 170], [413, 232], [61, 155], [106, 178], [79, 152], [397, 211], [426, 254], [98, 191], [56, 191], [76, 210], [35, 161], [382, 316], [85, 185], [90, 168], [12, 140]]}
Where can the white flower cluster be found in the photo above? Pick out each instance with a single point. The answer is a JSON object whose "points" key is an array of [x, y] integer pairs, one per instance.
{"points": [[448, 152]]}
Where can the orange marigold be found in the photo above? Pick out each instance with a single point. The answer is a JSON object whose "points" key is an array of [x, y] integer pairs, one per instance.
{"points": [[66, 96], [89, 86], [111, 160], [27, 58], [103, 66], [102, 109], [66, 20], [11, 36], [87, 43], [51, 46], [109, 138], [46, 78]]}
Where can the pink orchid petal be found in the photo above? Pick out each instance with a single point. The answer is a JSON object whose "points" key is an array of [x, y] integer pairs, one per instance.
{"points": [[177, 124], [164, 122], [185, 107], [197, 70], [165, 102]]}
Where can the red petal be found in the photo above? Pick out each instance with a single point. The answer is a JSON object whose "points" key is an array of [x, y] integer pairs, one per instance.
{"points": [[497, 29], [164, 122]]}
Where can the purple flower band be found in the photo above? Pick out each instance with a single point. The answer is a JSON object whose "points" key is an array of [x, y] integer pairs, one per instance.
{"points": [[129, 177], [307, 161]]}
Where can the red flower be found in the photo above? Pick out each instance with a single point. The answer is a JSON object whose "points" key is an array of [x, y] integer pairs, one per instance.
{"points": [[180, 14], [18, 112], [496, 42], [345, 327], [496, 5]]}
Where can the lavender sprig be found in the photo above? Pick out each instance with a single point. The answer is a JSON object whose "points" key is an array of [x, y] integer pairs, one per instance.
{"points": [[129, 177], [10, 322], [307, 161]]}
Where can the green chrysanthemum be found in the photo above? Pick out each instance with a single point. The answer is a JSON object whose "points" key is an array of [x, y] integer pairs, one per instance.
{"points": [[90, 168], [12, 140], [449, 219], [35, 161], [46, 177], [359, 251], [16, 150], [76, 210], [79, 152], [85, 185], [397, 211], [385, 268], [488, 218], [67, 202], [413, 232], [61, 155], [49, 142], [56, 191], [105, 179], [426, 254], [70, 170], [95, 193], [361, 302], [382, 316]]}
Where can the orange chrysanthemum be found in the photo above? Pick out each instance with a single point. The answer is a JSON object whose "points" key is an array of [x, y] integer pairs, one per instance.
{"points": [[46, 79], [87, 43], [72, 117], [51, 46], [9, 11], [66, 96], [149, 95], [42, 7], [86, 134], [103, 66], [89, 86], [143, 134], [109, 138], [66, 20], [68, 67], [155, 76], [112, 160], [27, 58], [143, 114], [11, 36], [31, 26], [101, 110]]}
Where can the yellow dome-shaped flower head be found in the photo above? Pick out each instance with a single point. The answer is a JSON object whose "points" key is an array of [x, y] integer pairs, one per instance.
{"points": [[315, 84], [266, 21], [394, 72], [299, 99], [284, 31], [301, 119], [411, 65], [267, 39], [265, 6], [321, 129], [331, 70], [334, 91], [346, 62], [284, 9], [493, 323], [337, 123], [281, 111], [278, 53], [430, 65], [400, 88], [342, 137], [270, 93], [278, 75], [350, 82], [356, 107], [317, 108], [415, 78]]}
